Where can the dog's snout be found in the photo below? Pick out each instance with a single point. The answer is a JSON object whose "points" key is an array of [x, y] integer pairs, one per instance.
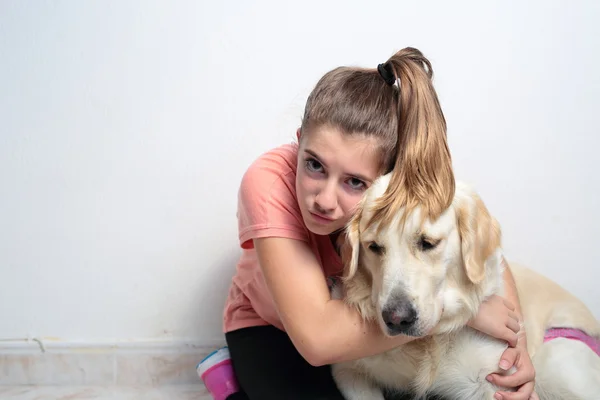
{"points": [[399, 317]]}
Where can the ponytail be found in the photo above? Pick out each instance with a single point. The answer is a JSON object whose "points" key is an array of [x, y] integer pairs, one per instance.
{"points": [[422, 173]]}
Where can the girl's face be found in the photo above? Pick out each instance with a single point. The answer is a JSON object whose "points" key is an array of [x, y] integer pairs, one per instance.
{"points": [[333, 172]]}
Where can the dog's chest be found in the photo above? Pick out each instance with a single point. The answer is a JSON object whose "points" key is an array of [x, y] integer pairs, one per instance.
{"points": [[449, 364], [395, 368], [466, 358]]}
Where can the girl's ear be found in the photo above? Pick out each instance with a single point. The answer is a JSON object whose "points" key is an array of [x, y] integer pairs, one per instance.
{"points": [[298, 132]]}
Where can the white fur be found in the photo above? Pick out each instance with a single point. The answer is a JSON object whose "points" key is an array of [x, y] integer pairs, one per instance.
{"points": [[455, 360]]}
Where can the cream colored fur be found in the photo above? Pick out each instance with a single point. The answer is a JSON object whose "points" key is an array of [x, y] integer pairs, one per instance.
{"points": [[445, 286]]}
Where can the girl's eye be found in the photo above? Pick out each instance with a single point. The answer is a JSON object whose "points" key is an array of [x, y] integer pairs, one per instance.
{"points": [[314, 165], [356, 184]]}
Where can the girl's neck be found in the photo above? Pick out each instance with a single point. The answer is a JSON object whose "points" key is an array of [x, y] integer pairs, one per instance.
{"points": [[335, 240]]}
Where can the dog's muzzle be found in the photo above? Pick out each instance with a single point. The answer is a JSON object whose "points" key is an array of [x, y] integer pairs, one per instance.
{"points": [[400, 316]]}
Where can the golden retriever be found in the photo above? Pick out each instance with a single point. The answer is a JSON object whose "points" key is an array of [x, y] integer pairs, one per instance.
{"points": [[416, 276]]}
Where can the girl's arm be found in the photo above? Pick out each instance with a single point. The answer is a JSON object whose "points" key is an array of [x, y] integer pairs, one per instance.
{"points": [[502, 319], [511, 294], [524, 378], [324, 331]]}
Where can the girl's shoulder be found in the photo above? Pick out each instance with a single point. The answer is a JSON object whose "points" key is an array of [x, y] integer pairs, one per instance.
{"points": [[275, 164], [267, 201], [284, 158]]}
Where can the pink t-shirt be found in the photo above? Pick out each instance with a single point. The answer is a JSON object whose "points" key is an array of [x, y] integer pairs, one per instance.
{"points": [[268, 207]]}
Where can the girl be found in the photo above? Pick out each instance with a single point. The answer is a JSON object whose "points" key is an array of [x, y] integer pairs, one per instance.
{"points": [[282, 328]]}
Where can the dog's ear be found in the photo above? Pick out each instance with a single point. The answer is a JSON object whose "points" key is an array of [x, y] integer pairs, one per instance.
{"points": [[479, 233], [350, 249]]}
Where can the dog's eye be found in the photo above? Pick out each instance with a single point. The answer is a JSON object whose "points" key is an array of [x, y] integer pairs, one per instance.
{"points": [[375, 248], [426, 244]]}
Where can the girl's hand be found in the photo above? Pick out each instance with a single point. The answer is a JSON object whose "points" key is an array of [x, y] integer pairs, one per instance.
{"points": [[496, 317], [522, 380]]}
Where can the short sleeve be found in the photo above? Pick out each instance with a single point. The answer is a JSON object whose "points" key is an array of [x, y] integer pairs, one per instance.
{"points": [[267, 202]]}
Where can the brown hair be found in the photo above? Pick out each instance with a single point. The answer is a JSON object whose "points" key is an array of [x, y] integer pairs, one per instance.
{"points": [[356, 101], [408, 122]]}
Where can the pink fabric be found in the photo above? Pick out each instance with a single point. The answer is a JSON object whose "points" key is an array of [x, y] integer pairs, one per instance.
{"points": [[575, 334], [268, 207]]}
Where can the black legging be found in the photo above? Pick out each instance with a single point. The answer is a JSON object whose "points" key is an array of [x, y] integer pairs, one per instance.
{"points": [[268, 367]]}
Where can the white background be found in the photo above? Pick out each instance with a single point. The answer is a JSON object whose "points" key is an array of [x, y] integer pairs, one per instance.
{"points": [[125, 127]]}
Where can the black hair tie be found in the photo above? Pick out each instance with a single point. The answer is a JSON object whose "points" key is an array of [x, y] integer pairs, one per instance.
{"points": [[386, 72]]}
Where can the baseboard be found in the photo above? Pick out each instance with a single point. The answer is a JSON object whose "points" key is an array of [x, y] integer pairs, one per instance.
{"points": [[103, 363]]}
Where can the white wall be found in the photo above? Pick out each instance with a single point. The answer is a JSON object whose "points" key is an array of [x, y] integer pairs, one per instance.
{"points": [[125, 127]]}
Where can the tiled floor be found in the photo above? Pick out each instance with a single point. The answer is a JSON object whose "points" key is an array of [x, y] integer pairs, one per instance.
{"points": [[171, 392]]}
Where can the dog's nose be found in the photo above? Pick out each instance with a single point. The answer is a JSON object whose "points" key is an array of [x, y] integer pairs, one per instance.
{"points": [[399, 317]]}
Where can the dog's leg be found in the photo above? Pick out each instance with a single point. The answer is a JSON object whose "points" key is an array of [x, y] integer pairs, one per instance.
{"points": [[353, 384], [567, 369]]}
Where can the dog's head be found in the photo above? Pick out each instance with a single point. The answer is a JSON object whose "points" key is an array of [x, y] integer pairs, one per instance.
{"points": [[413, 274]]}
